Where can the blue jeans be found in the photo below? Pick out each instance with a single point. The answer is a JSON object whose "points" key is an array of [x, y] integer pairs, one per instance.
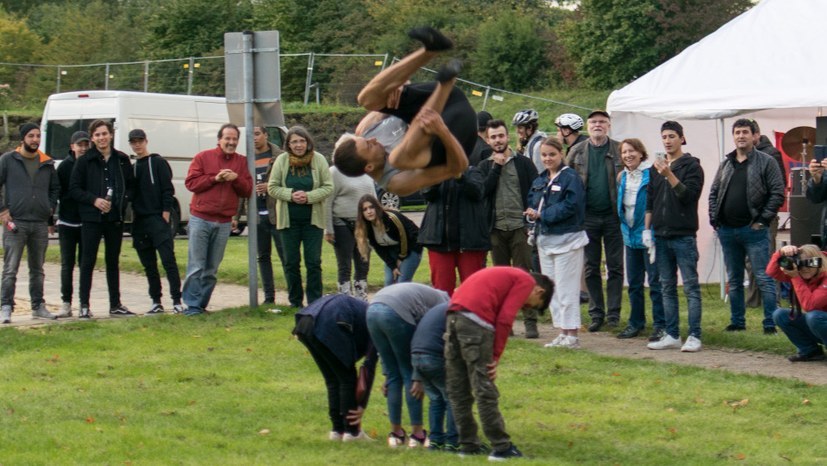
{"points": [[207, 241], [638, 266], [392, 337], [737, 243], [431, 370], [672, 254], [34, 237], [807, 331], [407, 269]]}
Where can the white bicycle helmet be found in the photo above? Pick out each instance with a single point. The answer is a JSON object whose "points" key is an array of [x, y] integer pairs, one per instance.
{"points": [[569, 120], [524, 117]]}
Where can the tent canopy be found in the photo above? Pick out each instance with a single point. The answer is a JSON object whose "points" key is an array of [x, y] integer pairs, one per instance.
{"points": [[768, 57]]}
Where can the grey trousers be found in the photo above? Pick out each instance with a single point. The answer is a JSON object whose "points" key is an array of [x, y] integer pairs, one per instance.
{"points": [[34, 237], [468, 349]]}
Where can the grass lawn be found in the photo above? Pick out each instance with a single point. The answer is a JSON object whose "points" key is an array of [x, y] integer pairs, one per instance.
{"points": [[235, 388]]}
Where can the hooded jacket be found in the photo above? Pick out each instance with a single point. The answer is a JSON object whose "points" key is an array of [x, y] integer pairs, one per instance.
{"points": [[27, 199], [154, 193], [68, 211], [675, 210]]}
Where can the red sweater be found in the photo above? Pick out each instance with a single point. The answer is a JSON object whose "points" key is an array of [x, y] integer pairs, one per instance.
{"points": [[812, 294], [212, 200], [495, 294]]}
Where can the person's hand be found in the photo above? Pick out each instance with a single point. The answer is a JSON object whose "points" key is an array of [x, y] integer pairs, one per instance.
{"points": [[758, 226], [492, 371], [299, 197], [51, 229], [429, 120], [384, 388], [261, 189], [817, 170], [103, 205], [234, 225], [417, 389], [329, 238], [219, 177], [789, 250], [531, 214], [165, 215], [791, 273], [229, 175], [396, 274], [354, 416], [647, 238], [662, 167], [499, 158], [393, 98], [5, 216]]}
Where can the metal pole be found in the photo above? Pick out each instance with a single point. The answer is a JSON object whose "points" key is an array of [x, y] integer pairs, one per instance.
{"points": [[722, 272], [485, 99], [146, 76], [310, 60], [57, 90], [252, 209], [385, 62], [106, 78], [191, 72]]}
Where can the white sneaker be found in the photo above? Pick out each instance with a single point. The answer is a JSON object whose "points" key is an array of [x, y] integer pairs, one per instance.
{"points": [[692, 345], [335, 436], [556, 341], [5, 314], [42, 313], [362, 437], [65, 310], [667, 342], [178, 309], [570, 342]]}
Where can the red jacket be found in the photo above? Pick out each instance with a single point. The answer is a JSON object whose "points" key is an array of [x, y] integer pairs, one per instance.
{"points": [[217, 201], [495, 294], [812, 294]]}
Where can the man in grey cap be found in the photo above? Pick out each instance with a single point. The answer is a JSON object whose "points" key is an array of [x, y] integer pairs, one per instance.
{"points": [[29, 189], [68, 221]]}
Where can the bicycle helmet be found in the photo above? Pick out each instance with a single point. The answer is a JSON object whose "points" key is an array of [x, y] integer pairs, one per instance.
{"points": [[569, 120], [524, 117]]}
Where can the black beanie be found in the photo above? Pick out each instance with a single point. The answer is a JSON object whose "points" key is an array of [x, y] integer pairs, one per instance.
{"points": [[25, 128]]}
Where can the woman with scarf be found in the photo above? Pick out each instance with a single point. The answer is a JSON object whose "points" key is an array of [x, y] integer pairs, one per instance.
{"points": [[300, 181]]}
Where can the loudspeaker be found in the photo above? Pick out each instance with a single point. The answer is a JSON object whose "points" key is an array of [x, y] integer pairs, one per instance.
{"points": [[805, 221]]}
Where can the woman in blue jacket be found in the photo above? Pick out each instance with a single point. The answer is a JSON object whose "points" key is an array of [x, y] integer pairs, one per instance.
{"points": [[558, 210], [631, 207]]}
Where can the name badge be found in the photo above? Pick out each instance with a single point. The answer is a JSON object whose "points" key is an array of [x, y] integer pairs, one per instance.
{"points": [[555, 187]]}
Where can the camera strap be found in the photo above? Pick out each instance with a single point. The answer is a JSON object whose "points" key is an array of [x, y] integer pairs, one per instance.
{"points": [[795, 306]]}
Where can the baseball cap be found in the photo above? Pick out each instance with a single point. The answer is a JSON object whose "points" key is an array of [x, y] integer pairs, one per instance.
{"points": [[79, 136], [137, 134], [598, 112]]}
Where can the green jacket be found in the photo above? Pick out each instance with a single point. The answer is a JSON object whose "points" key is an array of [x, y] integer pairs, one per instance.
{"points": [[322, 188]]}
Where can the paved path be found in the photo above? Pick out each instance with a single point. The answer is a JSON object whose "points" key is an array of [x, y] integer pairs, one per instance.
{"points": [[134, 295]]}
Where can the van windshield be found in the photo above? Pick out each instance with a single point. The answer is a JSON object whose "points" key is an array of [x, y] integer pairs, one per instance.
{"points": [[59, 133]]}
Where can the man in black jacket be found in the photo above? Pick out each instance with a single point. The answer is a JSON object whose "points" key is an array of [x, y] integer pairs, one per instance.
{"points": [[675, 185], [743, 201], [152, 205], [101, 183], [508, 177], [68, 221], [29, 189]]}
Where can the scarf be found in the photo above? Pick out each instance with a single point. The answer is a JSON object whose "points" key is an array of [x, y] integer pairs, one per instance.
{"points": [[298, 164]]}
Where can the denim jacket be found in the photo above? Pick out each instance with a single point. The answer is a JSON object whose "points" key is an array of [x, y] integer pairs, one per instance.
{"points": [[564, 207]]}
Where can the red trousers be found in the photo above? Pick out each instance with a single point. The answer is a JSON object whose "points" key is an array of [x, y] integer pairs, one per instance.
{"points": [[445, 264]]}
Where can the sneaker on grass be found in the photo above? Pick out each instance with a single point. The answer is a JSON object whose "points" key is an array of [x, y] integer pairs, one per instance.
{"points": [[335, 436], [692, 345], [120, 311], [178, 308], [667, 342], [85, 313], [396, 440], [360, 437], [157, 308], [65, 310], [503, 455], [571, 342], [414, 442], [5, 314], [555, 342]]}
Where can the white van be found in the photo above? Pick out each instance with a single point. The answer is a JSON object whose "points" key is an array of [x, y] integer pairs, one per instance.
{"points": [[177, 127]]}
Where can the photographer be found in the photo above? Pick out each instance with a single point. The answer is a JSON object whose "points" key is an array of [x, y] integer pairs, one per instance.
{"points": [[806, 324]]}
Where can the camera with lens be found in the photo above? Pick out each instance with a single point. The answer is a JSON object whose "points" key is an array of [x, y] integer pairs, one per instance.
{"points": [[791, 262]]}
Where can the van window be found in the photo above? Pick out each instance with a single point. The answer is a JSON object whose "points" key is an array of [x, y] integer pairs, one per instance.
{"points": [[59, 133]]}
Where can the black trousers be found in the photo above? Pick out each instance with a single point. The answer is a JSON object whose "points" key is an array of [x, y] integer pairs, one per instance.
{"points": [[339, 379], [70, 252], [604, 235], [151, 238], [91, 233]]}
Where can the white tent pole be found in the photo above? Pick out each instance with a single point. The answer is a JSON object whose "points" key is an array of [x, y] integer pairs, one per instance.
{"points": [[722, 132]]}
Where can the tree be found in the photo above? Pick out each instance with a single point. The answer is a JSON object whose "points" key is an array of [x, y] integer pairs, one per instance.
{"points": [[614, 41]]}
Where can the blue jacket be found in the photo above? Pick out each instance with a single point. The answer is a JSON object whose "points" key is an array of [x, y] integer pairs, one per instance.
{"points": [[564, 208], [633, 234]]}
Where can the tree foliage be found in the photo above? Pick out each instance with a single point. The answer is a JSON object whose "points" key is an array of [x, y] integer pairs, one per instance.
{"points": [[614, 41]]}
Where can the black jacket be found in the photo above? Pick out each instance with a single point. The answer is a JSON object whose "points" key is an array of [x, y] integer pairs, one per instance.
{"points": [[457, 215], [68, 209], [154, 192], [410, 233], [88, 184], [526, 173], [675, 210], [765, 188], [27, 199], [765, 146], [481, 152]]}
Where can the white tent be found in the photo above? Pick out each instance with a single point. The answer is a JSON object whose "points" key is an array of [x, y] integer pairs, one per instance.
{"points": [[767, 64]]}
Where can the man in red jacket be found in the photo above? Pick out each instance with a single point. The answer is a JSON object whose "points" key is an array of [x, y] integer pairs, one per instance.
{"points": [[217, 178], [478, 323]]}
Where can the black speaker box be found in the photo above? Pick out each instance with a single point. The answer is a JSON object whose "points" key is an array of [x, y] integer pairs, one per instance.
{"points": [[805, 221]]}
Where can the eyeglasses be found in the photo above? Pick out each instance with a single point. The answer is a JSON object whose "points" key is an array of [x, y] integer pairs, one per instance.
{"points": [[298, 142]]}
